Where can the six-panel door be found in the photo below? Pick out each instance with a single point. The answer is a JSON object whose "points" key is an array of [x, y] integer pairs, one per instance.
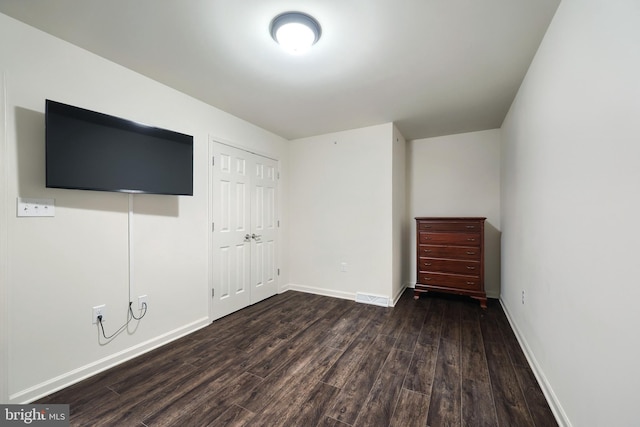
{"points": [[244, 229]]}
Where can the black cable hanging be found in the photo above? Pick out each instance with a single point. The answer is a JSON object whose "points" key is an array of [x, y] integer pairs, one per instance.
{"points": [[130, 317]]}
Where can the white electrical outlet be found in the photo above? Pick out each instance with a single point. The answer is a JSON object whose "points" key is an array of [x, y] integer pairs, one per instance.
{"points": [[98, 310], [343, 267], [35, 207], [142, 301]]}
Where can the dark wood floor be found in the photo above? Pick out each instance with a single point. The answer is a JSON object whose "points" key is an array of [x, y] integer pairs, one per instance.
{"points": [[306, 360]]}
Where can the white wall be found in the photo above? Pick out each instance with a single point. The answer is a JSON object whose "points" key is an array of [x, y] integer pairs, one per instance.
{"points": [[570, 188], [55, 269], [4, 250], [401, 224], [459, 175], [340, 209]]}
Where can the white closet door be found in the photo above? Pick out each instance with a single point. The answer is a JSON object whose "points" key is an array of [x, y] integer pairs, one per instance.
{"points": [[264, 229], [244, 238]]}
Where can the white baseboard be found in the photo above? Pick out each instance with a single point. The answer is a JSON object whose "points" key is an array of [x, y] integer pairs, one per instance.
{"points": [[493, 295], [400, 291], [552, 399], [319, 291], [337, 294], [65, 380]]}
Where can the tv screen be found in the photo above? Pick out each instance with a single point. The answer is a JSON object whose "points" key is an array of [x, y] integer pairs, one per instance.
{"points": [[87, 150]]}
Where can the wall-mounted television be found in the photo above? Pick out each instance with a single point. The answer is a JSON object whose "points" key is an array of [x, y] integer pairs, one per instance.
{"points": [[87, 150]]}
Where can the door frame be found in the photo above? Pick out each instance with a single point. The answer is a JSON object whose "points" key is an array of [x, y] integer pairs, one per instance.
{"points": [[211, 141]]}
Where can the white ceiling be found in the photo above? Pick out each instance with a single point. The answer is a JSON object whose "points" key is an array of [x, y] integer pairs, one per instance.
{"points": [[434, 67]]}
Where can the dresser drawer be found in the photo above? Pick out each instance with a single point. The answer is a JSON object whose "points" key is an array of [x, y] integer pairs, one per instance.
{"points": [[450, 226], [450, 252], [456, 239], [450, 281], [470, 268]]}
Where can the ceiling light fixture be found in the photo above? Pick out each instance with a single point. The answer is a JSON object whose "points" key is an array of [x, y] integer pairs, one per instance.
{"points": [[295, 31]]}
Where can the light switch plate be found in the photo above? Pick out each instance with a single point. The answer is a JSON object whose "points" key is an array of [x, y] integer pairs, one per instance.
{"points": [[36, 207]]}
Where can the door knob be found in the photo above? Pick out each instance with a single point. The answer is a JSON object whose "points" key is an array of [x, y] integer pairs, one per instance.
{"points": [[247, 237], [256, 237]]}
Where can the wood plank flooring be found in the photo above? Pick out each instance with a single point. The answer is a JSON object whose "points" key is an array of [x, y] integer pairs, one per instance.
{"points": [[307, 360]]}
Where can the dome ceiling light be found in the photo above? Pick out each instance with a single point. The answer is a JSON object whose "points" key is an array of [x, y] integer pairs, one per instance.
{"points": [[296, 32]]}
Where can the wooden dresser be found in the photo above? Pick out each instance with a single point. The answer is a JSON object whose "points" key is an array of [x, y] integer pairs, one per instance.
{"points": [[450, 256]]}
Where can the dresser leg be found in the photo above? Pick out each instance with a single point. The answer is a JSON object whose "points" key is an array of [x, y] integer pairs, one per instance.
{"points": [[483, 301]]}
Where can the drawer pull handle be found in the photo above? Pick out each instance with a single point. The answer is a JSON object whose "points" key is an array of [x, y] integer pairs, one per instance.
{"points": [[426, 279], [427, 264], [470, 253], [471, 227], [426, 251], [471, 239], [426, 226], [471, 283], [427, 238], [470, 268]]}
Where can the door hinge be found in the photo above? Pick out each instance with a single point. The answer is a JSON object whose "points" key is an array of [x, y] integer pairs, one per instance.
{"points": [[213, 226], [278, 223], [213, 292], [278, 174], [278, 272], [213, 161]]}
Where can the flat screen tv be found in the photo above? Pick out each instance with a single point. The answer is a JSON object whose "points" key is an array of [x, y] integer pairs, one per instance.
{"points": [[87, 150]]}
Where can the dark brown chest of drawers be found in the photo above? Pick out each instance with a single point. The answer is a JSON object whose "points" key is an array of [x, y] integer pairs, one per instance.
{"points": [[450, 256]]}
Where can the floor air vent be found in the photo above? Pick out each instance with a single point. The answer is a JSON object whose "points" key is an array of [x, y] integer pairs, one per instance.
{"points": [[372, 299]]}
